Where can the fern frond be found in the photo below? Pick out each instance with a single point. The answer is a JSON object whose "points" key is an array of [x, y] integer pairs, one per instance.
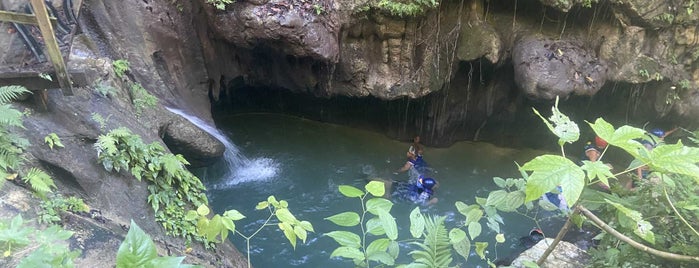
{"points": [[171, 164], [121, 132], [10, 116], [106, 143], [9, 160], [10, 93], [435, 248], [39, 180]]}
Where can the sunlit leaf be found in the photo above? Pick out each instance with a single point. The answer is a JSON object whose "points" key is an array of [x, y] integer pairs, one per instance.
{"points": [[561, 125], [284, 215], [460, 242], [417, 223], [389, 225], [480, 249], [373, 226], [350, 191], [300, 233], [513, 200], [500, 238], [597, 170], [378, 245], [203, 210], [136, 250], [346, 239], [233, 215], [474, 230], [676, 158], [376, 188], [348, 252], [474, 215], [549, 171], [288, 233], [495, 198], [262, 205], [624, 137], [377, 205], [382, 257], [346, 219], [306, 226]]}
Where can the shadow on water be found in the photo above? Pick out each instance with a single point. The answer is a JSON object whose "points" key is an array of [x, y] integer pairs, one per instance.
{"points": [[310, 160]]}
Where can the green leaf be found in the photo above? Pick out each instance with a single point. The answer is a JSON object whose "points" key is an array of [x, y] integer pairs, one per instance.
{"points": [[288, 233], [460, 243], [376, 188], [300, 233], [624, 137], [306, 226], [597, 170], [377, 205], [675, 158], [373, 226], [347, 252], [474, 230], [350, 191], [456, 235], [203, 210], [262, 205], [233, 215], [136, 250], [499, 182], [347, 219], [549, 171], [474, 215], [346, 239], [513, 201], [480, 249], [417, 223], [191, 215], [463, 208], [382, 257], [378, 245], [495, 198], [500, 238], [284, 215], [389, 225], [530, 264], [393, 249], [561, 125]]}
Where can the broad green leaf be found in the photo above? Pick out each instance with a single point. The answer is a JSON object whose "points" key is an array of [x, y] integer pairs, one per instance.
{"points": [[624, 137], [597, 170], [300, 233], [262, 205], [373, 226], [676, 158], [203, 210], [393, 249], [378, 245], [561, 125], [389, 225], [376, 188], [460, 242], [347, 252], [548, 171], [382, 257], [272, 201], [306, 226], [577, 219], [136, 250], [643, 230], [346, 219], [474, 230], [346, 239], [493, 225], [378, 204], [499, 182], [417, 223], [473, 216], [500, 238], [480, 249], [495, 198], [288, 233], [233, 215], [513, 201], [191, 215], [284, 215], [463, 208], [350, 191]]}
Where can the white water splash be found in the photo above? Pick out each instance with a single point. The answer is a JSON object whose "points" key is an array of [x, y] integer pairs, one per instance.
{"points": [[239, 168]]}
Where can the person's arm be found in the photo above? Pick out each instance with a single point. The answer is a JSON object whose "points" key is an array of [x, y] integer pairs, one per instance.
{"points": [[669, 132], [405, 167]]}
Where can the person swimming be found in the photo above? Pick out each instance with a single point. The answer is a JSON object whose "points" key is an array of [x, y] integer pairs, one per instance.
{"points": [[421, 192], [413, 161]]}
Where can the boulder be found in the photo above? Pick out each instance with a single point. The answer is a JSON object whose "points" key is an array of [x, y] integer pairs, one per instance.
{"points": [[566, 255]]}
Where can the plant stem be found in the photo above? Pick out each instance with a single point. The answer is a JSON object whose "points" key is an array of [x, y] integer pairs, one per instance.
{"points": [[361, 225], [558, 238], [678, 213], [247, 238], [663, 254]]}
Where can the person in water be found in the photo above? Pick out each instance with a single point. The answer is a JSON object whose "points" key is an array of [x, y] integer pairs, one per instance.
{"points": [[421, 192], [592, 154], [414, 161], [416, 147]]}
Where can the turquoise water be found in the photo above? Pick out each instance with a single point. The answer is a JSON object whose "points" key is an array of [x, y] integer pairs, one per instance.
{"points": [[304, 162]]}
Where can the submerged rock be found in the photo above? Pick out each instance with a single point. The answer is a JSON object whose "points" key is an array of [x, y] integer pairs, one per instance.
{"points": [[566, 255]]}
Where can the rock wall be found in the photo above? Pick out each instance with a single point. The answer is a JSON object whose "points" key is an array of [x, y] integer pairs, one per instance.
{"points": [[552, 48]]}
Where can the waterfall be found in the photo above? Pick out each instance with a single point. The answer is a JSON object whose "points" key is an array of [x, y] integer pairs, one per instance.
{"points": [[239, 168]]}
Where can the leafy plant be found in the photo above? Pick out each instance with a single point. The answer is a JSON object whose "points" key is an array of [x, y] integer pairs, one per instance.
{"points": [[11, 145], [138, 250], [172, 190], [45, 76], [141, 98], [120, 66], [104, 89], [406, 8], [52, 207], [318, 9], [52, 139], [220, 4], [644, 73], [101, 120], [48, 247], [220, 225], [40, 182]]}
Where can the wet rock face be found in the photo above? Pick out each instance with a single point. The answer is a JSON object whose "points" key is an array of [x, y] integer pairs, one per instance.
{"points": [[566, 255], [187, 139], [546, 68]]}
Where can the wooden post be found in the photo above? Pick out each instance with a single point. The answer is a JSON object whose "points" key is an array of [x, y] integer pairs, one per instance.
{"points": [[42, 17], [21, 18]]}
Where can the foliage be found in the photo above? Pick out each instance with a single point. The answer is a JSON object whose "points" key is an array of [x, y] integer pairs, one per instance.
{"points": [[220, 4], [52, 139], [141, 98], [406, 8], [11, 145], [101, 120], [120, 66], [52, 207], [173, 188], [435, 250], [45, 76], [104, 89], [40, 182], [221, 225], [138, 250], [36, 248]]}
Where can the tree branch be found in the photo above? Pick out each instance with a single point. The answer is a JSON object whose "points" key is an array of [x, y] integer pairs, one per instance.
{"points": [[558, 238], [637, 245]]}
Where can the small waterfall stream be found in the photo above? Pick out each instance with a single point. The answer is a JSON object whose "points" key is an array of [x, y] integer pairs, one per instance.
{"points": [[239, 167]]}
